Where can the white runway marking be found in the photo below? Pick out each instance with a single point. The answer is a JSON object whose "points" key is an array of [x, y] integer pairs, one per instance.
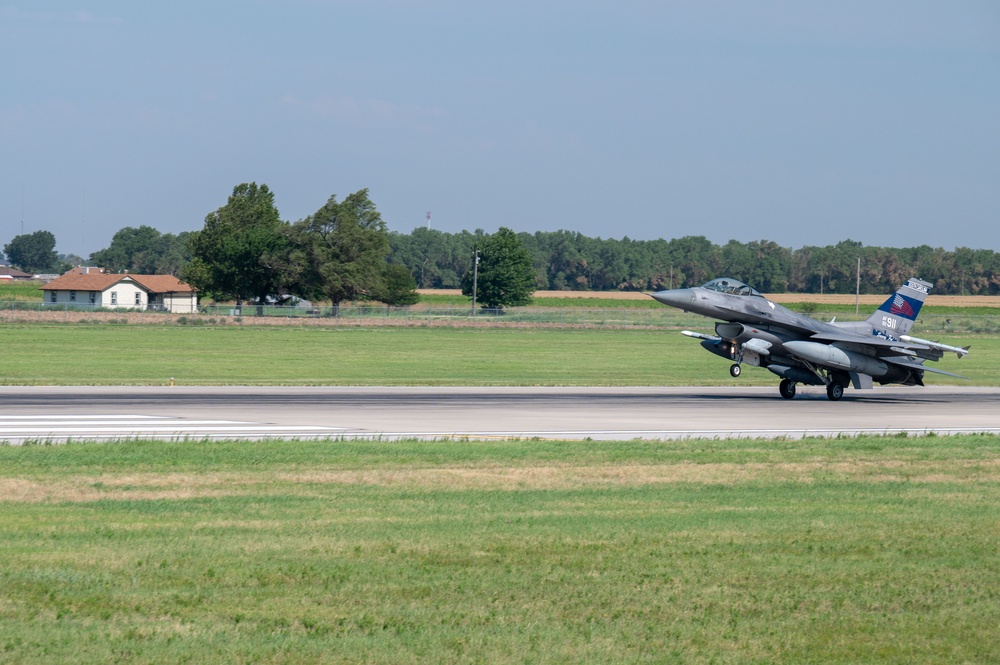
{"points": [[105, 427]]}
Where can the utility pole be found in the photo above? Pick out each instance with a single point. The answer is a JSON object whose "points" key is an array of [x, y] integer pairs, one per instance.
{"points": [[475, 281], [857, 291]]}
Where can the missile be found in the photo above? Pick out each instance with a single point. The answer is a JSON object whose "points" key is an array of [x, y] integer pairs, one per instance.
{"points": [[698, 335], [832, 356], [957, 350]]}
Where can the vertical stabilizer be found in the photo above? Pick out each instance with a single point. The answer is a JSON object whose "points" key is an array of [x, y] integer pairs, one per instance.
{"points": [[896, 315]]}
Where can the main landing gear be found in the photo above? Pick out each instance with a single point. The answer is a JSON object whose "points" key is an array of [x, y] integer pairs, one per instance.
{"points": [[834, 390], [787, 388]]}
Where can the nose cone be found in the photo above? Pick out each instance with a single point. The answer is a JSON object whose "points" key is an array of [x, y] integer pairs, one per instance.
{"points": [[679, 298]]}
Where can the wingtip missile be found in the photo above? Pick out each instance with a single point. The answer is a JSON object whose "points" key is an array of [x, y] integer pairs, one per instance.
{"points": [[960, 351]]}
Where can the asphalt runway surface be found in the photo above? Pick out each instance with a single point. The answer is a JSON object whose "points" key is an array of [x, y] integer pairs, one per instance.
{"points": [[112, 413]]}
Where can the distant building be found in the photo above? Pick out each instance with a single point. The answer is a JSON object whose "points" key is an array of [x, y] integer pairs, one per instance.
{"points": [[142, 292], [86, 270], [6, 272]]}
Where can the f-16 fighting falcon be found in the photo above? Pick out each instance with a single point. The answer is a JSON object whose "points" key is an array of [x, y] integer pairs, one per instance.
{"points": [[799, 349]]}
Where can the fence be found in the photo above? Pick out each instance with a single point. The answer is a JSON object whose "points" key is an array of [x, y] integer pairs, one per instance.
{"points": [[612, 317]]}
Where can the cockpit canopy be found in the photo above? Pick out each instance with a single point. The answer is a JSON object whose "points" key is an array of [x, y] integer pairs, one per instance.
{"points": [[730, 285]]}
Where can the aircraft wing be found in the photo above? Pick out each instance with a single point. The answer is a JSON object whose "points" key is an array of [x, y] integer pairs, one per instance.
{"points": [[854, 338], [883, 346], [905, 346]]}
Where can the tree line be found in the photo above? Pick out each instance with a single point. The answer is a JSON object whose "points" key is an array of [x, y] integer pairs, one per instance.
{"points": [[570, 260], [344, 251]]}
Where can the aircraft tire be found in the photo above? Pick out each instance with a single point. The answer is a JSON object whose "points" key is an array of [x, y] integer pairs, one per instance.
{"points": [[787, 388], [834, 391], [735, 371]]}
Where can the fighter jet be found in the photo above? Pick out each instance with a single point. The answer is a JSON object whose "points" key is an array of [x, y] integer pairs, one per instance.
{"points": [[800, 349]]}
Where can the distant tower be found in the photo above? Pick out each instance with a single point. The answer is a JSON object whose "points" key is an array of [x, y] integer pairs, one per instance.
{"points": [[428, 220]]}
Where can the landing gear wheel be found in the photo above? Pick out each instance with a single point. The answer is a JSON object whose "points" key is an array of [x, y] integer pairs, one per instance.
{"points": [[735, 371], [787, 388], [834, 391]]}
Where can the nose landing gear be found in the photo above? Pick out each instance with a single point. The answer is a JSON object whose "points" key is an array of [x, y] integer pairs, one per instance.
{"points": [[735, 353]]}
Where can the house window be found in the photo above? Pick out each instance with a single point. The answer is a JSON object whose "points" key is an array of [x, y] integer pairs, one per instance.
{"points": [[138, 298], [52, 296], [114, 297], [93, 297], [72, 296]]}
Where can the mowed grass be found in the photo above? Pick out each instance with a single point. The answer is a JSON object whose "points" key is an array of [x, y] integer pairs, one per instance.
{"points": [[575, 300], [258, 355], [876, 550]]}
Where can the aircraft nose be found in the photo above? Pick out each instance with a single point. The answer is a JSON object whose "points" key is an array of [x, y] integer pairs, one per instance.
{"points": [[680, 298]]}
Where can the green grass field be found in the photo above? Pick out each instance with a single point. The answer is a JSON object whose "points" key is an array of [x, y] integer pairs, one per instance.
{"points": [[257, 355], [20, 290], [880, 550], [874, 550]]}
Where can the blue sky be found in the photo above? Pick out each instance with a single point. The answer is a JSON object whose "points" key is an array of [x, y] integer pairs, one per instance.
{"points": [[806, 123]]}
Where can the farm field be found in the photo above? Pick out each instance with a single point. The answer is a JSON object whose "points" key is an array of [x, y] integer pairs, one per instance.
{"points": [[876, 550], [836, 301], [288, 355]]}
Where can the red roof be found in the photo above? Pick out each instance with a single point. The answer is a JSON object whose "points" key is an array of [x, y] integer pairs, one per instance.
{"points": [[15, 273], [99, 282]]}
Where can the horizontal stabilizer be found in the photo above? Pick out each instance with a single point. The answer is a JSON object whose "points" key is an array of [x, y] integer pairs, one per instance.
{"points": [[914, 365]]}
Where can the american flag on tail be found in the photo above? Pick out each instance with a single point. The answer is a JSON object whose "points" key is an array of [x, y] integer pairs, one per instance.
{"points": [[901, 307]]}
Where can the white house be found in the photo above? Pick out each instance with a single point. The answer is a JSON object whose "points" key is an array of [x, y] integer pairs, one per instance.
{"points": [[153, 292]]}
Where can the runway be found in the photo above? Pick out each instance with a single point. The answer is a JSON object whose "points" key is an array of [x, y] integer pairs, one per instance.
{"points": [[58, 414]]}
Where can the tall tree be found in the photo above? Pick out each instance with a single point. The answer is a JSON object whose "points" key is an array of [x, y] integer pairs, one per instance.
{"points": [[340, 250], [237, 253], [505, 277], [34, 252]]}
